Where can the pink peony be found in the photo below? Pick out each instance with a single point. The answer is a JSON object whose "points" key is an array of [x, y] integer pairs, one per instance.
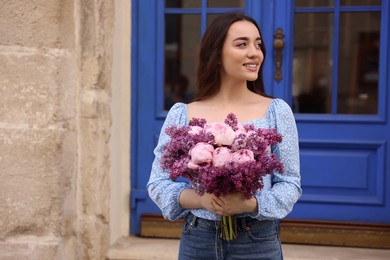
{"points": [[200, 153], [192, 166], [267, 150], [223, 133], [195, 130], [221, 158], [240, 129], [221, 155], [243, 155]]}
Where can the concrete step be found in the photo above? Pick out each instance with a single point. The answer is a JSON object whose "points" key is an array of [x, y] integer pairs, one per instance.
{"points": [[136, 248]]}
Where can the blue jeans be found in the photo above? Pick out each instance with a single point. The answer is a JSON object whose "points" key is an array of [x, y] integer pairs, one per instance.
{"points": [[255, 240]]}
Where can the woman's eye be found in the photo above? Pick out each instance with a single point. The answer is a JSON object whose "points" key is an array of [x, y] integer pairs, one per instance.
{"points": [[243, 44]]}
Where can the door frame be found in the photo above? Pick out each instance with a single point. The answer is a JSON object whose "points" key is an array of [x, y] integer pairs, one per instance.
{"points": [[146, 35]]}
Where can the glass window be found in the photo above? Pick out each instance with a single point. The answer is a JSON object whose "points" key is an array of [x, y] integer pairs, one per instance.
{"points": [[358, 63], [354, 87], [182, 42], [224, 3], [313, 3], [312, 63], [182, 38], [211, 18], [360, 2], [183, 3]]}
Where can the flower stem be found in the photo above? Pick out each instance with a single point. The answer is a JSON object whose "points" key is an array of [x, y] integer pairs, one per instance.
{"points": [[225, 232], [228, 228]]}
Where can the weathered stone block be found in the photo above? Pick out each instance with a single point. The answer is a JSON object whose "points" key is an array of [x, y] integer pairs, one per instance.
{"points": [[30, 189], [94, 237], [53, 138], [33, 23], [94, 166], [96, 34], [28, 250], [32, 90]]}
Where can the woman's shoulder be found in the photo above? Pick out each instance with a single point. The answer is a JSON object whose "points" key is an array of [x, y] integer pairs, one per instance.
{"points": [[197, 108], [278, 105], [178, 107], [197, 104], [177, 113], [280, 113]]}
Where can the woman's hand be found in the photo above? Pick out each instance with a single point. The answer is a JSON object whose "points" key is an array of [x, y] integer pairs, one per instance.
{"points": [[189, 199], [230, 204], [206, 200], [234, 203]]}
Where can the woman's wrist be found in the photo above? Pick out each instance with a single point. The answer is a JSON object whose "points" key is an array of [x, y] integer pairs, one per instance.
{"points": [[252, 205], [189, 199]]}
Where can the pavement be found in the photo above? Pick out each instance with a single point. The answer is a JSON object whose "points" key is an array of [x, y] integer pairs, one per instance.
{"points": [[136, 248]]}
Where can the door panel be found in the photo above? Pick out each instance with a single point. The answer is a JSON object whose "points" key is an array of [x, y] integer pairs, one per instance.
{"points": [[362, 182], [166, 37], [342, 119], [343, 125]]}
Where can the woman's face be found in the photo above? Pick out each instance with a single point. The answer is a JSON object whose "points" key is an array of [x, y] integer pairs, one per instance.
{"points": [[241, 53]]}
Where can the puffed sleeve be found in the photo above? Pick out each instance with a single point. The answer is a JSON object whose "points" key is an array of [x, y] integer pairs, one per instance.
{"points": [[282, 190], [161, 188]]}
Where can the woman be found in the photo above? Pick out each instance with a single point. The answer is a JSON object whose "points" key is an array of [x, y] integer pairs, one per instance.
{"points": [[230, 81]]}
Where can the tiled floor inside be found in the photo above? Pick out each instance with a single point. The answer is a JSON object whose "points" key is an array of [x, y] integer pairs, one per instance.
{"points": [[134, 248]]}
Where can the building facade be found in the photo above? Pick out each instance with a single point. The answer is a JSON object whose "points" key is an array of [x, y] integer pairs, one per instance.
{"points": [[327, 59], [85, 87]]}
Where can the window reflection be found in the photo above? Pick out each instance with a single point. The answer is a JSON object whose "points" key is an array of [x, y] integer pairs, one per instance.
{"points": [[360, 2], [181, 47], [224, 3], [183, 3], [358, 63], [211, 18], [312, 66], [313, 3], [182, 38], [210, 3]]}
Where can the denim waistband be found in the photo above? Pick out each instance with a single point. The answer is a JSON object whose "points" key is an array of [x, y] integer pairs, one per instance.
{"points": [[243, 223]]}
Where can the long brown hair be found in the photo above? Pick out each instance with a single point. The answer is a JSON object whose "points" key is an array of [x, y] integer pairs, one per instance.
{"points": [[208, 77]]}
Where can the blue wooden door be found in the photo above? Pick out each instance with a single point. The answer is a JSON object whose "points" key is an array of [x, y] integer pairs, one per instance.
{"points": [[335, 77], [342, 114]]}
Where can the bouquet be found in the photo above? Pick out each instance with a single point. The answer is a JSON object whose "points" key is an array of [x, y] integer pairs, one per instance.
{"points": [[219, 158]]}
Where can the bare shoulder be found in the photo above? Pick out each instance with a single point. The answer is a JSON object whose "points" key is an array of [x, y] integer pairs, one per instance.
{"points": [[257, 107], [258, 102], [196, 109], [207, 109], [266, 101]]}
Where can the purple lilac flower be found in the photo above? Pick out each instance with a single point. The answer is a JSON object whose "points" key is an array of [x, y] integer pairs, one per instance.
{"points": [[232, 121], [245, 177], [197, 122]]}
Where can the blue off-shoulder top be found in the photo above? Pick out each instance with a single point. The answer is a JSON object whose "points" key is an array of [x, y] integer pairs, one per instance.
{"points": [[281, 190]]}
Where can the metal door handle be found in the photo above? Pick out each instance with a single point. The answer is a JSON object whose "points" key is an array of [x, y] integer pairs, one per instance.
{"points": [[278, 46]]}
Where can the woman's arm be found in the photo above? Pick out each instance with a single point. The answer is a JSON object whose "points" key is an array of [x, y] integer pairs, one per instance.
{"points": [[161, 188], [234, 203], [283, 190], [231, 204]]}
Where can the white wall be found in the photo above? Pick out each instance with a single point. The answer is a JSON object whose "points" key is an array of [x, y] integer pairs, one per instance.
{"points": [[120, 132]]}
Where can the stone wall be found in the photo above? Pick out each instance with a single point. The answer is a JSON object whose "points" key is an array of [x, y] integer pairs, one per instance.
{"points": [[55, 91]]}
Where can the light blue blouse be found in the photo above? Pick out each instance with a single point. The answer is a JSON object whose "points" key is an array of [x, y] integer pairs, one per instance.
{"points": [[281, 190]]}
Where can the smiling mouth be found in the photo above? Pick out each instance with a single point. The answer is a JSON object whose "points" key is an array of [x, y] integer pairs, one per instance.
{"points": [[251, 66]]}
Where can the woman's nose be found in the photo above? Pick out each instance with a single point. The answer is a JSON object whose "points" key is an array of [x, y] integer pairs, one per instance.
{"points": [[253, 51]]}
